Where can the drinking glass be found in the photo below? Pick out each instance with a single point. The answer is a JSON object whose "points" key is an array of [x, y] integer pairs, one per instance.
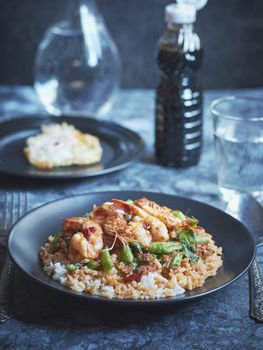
{"points": [[238, 135]]}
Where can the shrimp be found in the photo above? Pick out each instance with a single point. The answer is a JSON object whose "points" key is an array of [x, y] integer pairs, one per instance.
{"points": [[100, 214], [114, 224], [162, 213], [134, 230], [87, 244], [72, 225], [78, 248], [157, 228], [137, 231]]}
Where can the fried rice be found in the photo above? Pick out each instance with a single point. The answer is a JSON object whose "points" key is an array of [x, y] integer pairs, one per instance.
{"points": [[131, 250]]}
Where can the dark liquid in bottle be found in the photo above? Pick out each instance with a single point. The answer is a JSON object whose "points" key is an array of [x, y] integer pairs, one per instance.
{"points": [[178, 138]]}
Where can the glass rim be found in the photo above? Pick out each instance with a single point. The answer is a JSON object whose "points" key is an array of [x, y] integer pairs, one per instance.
{"points": [[216, 102]]}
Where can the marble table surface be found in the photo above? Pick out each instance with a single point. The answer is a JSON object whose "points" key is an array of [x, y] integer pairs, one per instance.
{"points": [[46, 320]]}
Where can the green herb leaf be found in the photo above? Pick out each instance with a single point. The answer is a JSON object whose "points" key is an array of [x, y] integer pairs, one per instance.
{"points": [[190, 254], [200, 239], [187, 237], [193, 221], [188, 240], [179, 215]]}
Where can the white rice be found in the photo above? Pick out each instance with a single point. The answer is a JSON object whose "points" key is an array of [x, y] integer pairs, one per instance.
{"points": [[107, 292], [152, 282]]}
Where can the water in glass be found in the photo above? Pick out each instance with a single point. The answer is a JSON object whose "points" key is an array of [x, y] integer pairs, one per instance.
{"points": [[239, 150]]}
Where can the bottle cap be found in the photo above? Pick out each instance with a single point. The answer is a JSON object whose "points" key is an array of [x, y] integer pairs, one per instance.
{"points": [[198, 4], [180, 13]]}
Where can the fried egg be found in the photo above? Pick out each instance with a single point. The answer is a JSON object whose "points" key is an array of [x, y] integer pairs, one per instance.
{"points": [[62, 145]]}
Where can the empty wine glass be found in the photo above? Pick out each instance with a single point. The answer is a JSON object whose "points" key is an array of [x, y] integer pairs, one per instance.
{"points": [[77, 66]]}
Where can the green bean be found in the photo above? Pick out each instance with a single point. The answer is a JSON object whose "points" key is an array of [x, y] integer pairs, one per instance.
{"points": [[106, 260], [179, 215], [139, 259], [145, 258], [93, 265], [176, 260], [135, 264], [200, 239], [164, 247], [135, 247], [71, 267], [126, 254]]}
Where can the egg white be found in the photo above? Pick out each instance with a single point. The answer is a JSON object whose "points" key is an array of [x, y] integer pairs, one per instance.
{"points": [[62, 145]]}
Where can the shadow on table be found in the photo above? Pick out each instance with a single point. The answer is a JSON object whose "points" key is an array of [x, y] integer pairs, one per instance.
{"points": [[38, 305]]}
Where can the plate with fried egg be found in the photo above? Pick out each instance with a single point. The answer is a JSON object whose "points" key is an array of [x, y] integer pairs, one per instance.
{"points": [[65, 147]]}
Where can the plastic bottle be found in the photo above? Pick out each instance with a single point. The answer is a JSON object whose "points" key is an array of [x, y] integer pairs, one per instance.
{"points": [[178, 136]]}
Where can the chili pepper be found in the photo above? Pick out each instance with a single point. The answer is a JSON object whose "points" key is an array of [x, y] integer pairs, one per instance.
{"points": [[136, 276]]}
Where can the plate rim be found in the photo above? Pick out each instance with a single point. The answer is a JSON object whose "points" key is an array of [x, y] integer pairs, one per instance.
{"points": [[92, 298], [140, 148]]}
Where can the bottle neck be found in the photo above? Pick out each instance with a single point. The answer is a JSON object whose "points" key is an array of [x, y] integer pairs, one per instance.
{"points": [[182, 36], [188, 27]]}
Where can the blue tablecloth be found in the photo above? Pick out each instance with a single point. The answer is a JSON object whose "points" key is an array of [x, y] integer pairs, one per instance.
{"points": [[46, 320]]}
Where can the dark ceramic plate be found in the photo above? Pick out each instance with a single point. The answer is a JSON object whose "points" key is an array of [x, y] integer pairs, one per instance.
{"points": [[120, 147], [31, 231]]}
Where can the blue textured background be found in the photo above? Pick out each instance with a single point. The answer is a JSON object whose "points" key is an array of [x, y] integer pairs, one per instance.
{"points": [[231, 32], [46, 320]]}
